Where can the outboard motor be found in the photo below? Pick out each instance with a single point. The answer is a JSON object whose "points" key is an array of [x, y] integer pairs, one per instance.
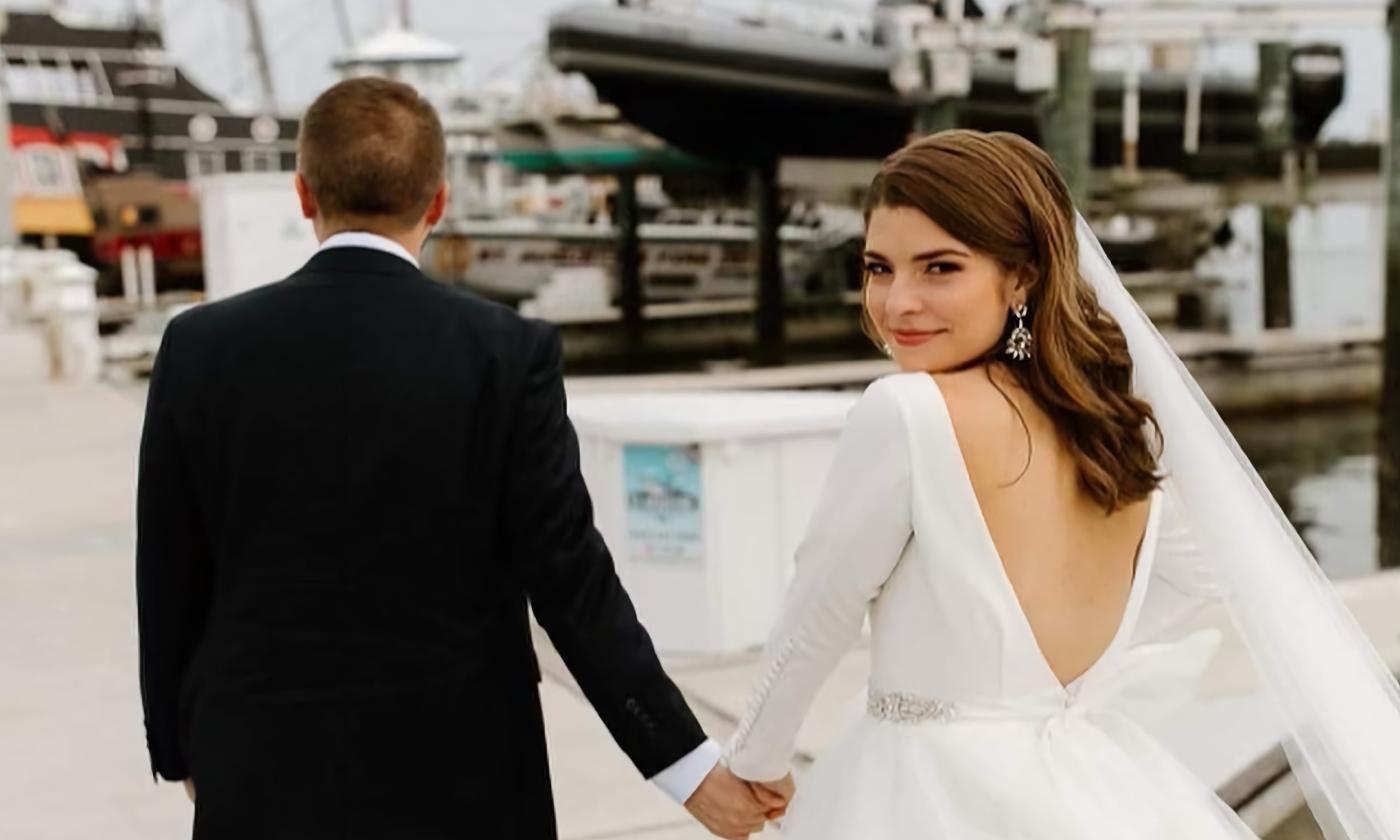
{"points": [[1319, 82]]}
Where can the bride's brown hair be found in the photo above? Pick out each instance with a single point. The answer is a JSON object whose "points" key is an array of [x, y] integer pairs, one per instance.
{"points": [[1000, 195]]}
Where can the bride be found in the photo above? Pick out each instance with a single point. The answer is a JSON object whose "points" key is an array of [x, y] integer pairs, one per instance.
{"points": [[1028, 512]]}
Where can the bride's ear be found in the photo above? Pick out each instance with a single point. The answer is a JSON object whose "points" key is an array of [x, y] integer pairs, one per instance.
{"points": [[1023, 280]]}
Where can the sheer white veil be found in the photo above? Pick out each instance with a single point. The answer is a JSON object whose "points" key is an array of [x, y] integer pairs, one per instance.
{"points": [[1338, 699]]}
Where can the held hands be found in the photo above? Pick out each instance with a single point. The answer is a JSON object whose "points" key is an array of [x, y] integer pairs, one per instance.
{"points": [[775, 796], [733, 808], [189, 788]]}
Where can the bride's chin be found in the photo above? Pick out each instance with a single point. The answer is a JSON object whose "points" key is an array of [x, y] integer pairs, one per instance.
{"points": [[917, 363], [914, 364]]}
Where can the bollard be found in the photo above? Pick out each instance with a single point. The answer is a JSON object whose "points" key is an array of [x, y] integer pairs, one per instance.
{"points": [[131, 283], [63, 296], [11, 299], [32, 268], [146, 270]]}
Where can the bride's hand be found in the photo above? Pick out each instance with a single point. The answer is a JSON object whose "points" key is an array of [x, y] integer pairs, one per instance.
{"points": [[189, 788], [775, 796]]}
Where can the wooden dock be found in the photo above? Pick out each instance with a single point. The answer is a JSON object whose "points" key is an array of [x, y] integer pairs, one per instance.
{"points": [[1264, 372]]}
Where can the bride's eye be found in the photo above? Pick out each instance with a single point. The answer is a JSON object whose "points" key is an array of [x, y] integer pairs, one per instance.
{"points": [[942, 268], [876, 268]]}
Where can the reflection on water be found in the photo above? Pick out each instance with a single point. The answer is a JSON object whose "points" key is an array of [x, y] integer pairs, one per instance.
{"points": [[1337, 259], [1321, 467]]}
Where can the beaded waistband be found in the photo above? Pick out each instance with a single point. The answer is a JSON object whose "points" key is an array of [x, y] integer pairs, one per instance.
{"points": [[898, 707]]}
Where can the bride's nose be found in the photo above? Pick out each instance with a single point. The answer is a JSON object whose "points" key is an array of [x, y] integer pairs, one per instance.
{"points": [[903, 299]]}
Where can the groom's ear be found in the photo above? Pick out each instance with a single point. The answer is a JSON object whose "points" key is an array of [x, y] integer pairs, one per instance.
{"points": [[309, 208], [437, 208]]}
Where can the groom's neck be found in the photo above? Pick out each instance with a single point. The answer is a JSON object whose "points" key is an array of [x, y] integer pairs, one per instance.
{"points": [[411, 240]]}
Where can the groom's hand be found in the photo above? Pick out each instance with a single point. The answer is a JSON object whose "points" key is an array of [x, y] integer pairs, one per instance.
{"points": [[775, 796], [727, 806]]}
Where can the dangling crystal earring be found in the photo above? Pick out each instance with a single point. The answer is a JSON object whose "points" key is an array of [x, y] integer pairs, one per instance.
{"points": [[885, 348], [1018, 346]]}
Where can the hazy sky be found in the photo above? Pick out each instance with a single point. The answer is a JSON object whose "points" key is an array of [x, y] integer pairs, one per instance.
{"points": [[209, 38]]}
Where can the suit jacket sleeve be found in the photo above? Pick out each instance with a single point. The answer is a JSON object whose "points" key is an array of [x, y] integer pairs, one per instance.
{"points": [[571, 581], [172, 571]]}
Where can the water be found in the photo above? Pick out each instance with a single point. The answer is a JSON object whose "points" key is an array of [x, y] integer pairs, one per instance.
{"points": [[1320, 465], [1337, 259], [1321, 468]]}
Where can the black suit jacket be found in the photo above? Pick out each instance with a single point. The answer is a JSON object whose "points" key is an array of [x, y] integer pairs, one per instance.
{"points": [[352, 483]]}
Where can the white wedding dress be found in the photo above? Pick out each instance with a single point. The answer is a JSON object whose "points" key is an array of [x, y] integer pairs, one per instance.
{"points": [[968, 733]]}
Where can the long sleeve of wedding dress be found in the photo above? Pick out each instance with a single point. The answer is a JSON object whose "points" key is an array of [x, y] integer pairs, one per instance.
{"points": [[1180, 562], [1185, 581], [858, 531]]}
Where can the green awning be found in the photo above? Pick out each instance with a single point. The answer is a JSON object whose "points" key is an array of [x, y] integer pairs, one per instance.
{"points": [[564, 146]]}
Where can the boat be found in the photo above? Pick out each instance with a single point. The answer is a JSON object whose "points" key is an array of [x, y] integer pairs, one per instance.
{"points": [[686, 255], [753, 90], [108, 138]]}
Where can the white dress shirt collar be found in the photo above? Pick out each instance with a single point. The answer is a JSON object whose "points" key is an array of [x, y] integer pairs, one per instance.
{"points": [[365, 239]]}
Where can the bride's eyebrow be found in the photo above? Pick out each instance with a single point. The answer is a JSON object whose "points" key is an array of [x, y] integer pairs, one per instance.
{"points": [[927, 255], [940, 252]]}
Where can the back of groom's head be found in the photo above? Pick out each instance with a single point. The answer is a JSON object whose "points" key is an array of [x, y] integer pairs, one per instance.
{"points": [[371, 152]]}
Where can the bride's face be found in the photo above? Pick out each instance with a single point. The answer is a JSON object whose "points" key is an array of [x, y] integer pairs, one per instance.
{"points": [[937, 303]]}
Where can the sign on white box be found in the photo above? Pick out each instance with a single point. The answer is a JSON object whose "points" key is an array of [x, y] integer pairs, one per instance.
{"points": [[662, 489], [253, 231]]}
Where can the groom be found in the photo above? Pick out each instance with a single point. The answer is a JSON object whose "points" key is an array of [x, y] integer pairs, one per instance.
{"points": [[354, 485]]}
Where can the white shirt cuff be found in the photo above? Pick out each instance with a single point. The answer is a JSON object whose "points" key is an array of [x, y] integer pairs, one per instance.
{"points": [[683, 778]]}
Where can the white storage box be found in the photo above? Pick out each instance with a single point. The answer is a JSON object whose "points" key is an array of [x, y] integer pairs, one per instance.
{"points": [[703, 498], [253, 231]]}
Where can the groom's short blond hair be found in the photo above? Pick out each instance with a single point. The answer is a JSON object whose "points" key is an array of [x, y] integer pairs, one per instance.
{"points": [[372, 149]]}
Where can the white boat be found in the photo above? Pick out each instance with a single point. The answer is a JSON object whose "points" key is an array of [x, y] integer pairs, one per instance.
{"points": [[510, 259]]}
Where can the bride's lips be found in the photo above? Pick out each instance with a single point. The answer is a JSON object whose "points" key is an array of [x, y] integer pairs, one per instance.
{"points": [[913, 338]]}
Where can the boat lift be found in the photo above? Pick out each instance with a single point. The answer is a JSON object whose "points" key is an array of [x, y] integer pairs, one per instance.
{"points": [[936, 58]]}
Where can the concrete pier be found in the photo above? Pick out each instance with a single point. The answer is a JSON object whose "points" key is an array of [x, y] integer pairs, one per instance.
{"points": [[74, 758]]}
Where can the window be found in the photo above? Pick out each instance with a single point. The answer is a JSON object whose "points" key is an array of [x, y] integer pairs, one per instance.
{"points": [[201, 162], [29, 79], [48, 169], [87, 85], [262, 160], [63, 83], [138, 215], [25, 83]]}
